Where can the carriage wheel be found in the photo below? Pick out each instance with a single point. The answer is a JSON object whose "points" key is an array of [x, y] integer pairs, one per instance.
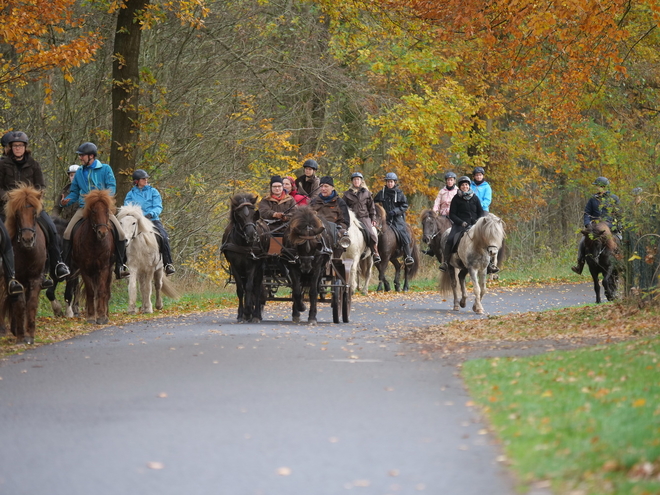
{"points": [[337, 288], [346, 305]]}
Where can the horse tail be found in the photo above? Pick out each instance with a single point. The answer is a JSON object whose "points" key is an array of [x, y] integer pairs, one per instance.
{"points": [[169, 290], [445, 281], [416, 254]]}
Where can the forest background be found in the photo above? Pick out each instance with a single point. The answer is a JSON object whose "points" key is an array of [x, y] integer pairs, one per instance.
{"points": [[213, 97]]}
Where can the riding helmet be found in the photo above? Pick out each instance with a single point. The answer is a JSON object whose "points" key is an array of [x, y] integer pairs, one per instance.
{"points": [[140, 174], [5, 138], [464, 178], [391, 176], [478, 170], [311, 164], [73, 169], [87, 149], [18, 137], [450, 175], [601, 182], [356, 174]]}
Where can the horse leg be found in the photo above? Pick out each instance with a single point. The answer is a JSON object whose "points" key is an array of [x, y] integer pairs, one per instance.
{"points": [[158, 287], [18, 319], [90, 293], [461, 277], [594, 277], [296, 295], [145, 291], [478, 284], [255, 300], [240, 293], [397, 274], [314, 295], [132, 292], [103, 297], [54, 303], [32, 304]]}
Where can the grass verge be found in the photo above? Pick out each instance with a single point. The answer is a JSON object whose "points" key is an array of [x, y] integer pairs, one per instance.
{"points": [[587, 421]]}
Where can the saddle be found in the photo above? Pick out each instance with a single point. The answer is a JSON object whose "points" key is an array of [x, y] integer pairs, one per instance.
{"points": [[365, 234]]}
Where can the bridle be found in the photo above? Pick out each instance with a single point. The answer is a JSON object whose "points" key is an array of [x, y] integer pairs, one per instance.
{"points": [[21, 229], [242, 227]]}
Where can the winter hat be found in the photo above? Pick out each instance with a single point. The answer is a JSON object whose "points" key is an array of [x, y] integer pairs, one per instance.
{"points": [[274, 179], [327, 180]]}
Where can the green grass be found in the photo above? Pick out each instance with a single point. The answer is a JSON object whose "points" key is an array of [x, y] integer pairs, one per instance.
{"points": [[587, 420]]}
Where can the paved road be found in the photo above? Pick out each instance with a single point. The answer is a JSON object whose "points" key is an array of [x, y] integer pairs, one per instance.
{"points": [[202, 405]]}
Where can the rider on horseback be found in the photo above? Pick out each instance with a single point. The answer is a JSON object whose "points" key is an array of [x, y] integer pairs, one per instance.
{"points": [[276, 208], [151, 203], [334, 209], [481, 188], [445, 195], [359, 199], [94, 175], [308, 183], [464, 212], [601, 207], [395, 206]]}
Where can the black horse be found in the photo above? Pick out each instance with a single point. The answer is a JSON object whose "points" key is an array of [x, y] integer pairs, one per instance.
{"points": [[601, 250], [244, 243], [308, 247]]}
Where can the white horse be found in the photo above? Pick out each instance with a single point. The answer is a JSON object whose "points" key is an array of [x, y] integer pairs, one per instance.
{"points": [[476, 249], [360, 253], [143, 259]]}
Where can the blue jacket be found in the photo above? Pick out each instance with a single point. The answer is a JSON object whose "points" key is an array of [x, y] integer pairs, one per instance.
{"points": [[484, 193], [148, 198], [95, 176]]}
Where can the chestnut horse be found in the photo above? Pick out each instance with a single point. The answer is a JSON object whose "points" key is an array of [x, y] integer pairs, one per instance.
{"points": [[93, 253], [23, 206], [390, 251]]}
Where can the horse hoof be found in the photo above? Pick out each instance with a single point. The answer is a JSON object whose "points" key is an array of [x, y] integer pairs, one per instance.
{"points": [[312, 322], [462, 303], [102, 321], [91, 320], [456, 308], [255, 320], [131, 312], [28, 340], [296, 319]]}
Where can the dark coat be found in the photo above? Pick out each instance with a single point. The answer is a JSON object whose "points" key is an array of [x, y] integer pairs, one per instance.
{"points": [[12, 172], [269, 205], [361, 202], [395, 204], [462, 211], [334, 210], [602, 208], [308, 186]]}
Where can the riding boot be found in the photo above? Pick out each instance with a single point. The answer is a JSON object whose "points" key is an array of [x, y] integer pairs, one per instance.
{"points": [[57, 266], [121, 270], [376, 255], [580, 259], [429, 252], [408, 260], [14, 287], [66, 251], [446, 255]]}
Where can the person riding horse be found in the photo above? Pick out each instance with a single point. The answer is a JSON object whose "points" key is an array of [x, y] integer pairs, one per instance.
{"points": [[601, 207], [359, 199], [481, 188], [308, 183], [149, 199], [334, 209], [395, 205], [94, 175], [276, 208], [464, 212], [17, 167]]}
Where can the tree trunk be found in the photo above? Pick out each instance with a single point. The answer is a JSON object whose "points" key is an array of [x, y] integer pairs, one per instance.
{"points": [[125, 90]]}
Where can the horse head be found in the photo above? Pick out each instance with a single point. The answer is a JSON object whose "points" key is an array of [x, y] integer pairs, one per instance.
{"points": [[488, 233], [99, 204], [430, 226], [307, 235], [23, 207], [244, 216]]}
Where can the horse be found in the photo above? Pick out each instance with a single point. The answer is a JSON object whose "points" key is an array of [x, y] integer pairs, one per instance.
{"points": [[144, 260], [433, 226], [24, 204], [307, 247], [93, 253], [476, 249], [601, 249], [245, 240], [72, 287], [390, 250], [360, 253]]}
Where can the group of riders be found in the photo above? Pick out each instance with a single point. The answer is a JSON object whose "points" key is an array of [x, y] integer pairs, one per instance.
{"points": [[18, 167]]}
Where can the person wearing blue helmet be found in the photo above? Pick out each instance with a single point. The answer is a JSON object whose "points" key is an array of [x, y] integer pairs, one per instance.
{"points": [[603, 206], [395, 204], [481, 188]]}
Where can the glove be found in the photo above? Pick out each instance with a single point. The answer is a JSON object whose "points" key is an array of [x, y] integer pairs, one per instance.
{"points": [[391, 214], [149, 216], [464, 224]]}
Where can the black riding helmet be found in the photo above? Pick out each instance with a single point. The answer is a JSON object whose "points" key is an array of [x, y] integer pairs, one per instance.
{"points": [[6, 138], [18, 137], [464, 178], [87, 149], [140, 174], [311, 164]]}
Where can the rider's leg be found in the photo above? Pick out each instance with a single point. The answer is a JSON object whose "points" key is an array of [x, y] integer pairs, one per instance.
{"points": [[446, 252], [66, 237], [407, 249], [57, 266], [373, 237], [164, 245], [580, 258], [14, 287], [121, 270]]}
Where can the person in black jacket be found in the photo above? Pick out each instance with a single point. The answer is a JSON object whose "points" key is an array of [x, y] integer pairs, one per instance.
{"points": [[395, 204], [464, 211]]}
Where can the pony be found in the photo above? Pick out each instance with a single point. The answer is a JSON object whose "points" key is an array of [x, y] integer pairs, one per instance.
{"points": [[72, 287], [390, 250], [308, 248], [24, 204], [244, 242], [433, 226], [93, 253], [360, 253], [601, 249], [144, 261], [476, 249]]}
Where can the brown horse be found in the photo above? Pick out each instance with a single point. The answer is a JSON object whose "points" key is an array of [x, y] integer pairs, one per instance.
{"points": [[92, 243], [390, 250], [23, 206], [433, 226], [601, 249]]}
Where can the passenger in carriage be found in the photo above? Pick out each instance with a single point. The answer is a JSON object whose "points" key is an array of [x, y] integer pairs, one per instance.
{"points": [[603, 206], [276, 208], [359, 199], [289, 184], [395, 205], [151, 203], [334, 209], [464, 211], [308, 183]]}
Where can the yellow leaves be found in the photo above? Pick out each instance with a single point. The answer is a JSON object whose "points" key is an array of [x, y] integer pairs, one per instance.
{"points": [[639, 403], [547, 393]]}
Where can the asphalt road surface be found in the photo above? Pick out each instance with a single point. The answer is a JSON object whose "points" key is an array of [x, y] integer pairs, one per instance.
{"points": [[203, 405]]}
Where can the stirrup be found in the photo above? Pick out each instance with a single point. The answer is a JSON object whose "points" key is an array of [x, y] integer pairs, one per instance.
{"points": [[14, 287], [169, 269], [47, 282], [577, 269], [62, 271], [376, 258], [123, 272], [492, 268], [443, 266], [409, 260]]}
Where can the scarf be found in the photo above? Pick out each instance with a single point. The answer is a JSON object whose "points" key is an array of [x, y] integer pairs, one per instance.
{"points": [[327, 199], [450, 188], [282, 195], [480, 182], [466, 195]]}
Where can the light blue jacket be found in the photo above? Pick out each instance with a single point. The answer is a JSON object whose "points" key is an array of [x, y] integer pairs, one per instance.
{"points": [[95, 176], [148, 198], [484, 193]]}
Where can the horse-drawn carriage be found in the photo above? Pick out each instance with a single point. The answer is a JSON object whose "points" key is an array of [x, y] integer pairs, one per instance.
{"points": [[302, 260]]}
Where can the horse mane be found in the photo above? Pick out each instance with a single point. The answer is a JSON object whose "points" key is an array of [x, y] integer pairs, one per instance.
{"points": [[488, 230], [380, 212], [603, 233], [304, 222], [24, 195], [99, 196], [240, 198], [135, 211]]}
